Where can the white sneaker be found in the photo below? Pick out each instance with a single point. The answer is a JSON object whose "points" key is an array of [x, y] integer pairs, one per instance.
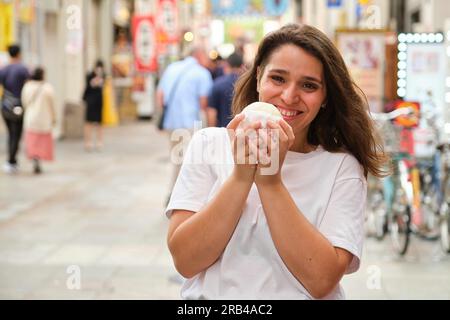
{"points": [[9, 168]]}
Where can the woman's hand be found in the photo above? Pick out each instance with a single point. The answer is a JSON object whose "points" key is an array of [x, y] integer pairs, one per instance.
{"points": [[244, 148], [273, 145]]}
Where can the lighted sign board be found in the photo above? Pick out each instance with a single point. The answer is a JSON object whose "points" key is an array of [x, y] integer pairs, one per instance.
{"points": [[422, 67]]}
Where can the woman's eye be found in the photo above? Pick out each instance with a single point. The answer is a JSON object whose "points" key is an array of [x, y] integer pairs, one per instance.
{"points": [[310, 86], [277, 79]]}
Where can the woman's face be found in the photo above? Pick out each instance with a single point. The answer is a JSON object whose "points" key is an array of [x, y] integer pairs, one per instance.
{"points": [[293, 81]]}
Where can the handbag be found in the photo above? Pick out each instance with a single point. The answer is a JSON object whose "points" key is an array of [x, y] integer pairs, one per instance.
{"points": [[12, 108], [161, 119]]}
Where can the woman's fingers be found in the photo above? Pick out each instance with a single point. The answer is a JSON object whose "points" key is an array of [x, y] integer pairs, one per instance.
{"points": [[277, 132], [234, 123], [288, 130]]}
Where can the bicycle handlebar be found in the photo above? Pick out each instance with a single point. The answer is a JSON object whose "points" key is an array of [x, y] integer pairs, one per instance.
{"points": [[392, 115]]}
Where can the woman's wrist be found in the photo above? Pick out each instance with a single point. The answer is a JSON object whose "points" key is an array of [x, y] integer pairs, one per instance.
{"points": [[268, 180], [243, 176]]}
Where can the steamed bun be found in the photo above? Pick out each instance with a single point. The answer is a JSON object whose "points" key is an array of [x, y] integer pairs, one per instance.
{"points": [[261, 111]]}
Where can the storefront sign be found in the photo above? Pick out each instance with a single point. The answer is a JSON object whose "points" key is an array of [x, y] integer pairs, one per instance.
{"points": [[426, 66], [167, 21], [411, 120], [144, 43], [334, 3]]}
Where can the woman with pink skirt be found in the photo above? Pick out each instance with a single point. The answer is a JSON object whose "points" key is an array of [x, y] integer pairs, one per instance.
{"points": [[38, 99]]}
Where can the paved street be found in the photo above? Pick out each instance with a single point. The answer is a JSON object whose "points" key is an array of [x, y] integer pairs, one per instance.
{"points": [[91, 227]]}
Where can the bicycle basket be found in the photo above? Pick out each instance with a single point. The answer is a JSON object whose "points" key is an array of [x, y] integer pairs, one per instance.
{"points": [[391, 136]]}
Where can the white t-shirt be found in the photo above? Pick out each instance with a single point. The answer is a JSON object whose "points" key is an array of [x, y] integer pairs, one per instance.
{"points": [[328, 188]]}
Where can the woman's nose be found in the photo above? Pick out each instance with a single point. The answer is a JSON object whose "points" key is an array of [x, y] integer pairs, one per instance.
{"points": [[290, 95]]}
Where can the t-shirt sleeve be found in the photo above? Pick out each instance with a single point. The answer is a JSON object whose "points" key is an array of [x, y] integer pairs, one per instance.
{"points": [[343, 222], [195, 180]]}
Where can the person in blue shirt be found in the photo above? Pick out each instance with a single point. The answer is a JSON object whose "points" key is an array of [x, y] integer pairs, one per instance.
{"points": [[13, 78], [183, 90], [221, 96]]}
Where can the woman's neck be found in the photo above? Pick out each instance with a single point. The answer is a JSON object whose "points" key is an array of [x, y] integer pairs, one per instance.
{"points": [[301, 145]]}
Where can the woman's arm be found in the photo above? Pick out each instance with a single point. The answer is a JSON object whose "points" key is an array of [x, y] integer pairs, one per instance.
{"points": [[51, 102], [197, 240], [309, 256]]}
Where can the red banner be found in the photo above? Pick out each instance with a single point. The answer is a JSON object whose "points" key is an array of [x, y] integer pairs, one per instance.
{"points": [[167, 21], [144, 44]]}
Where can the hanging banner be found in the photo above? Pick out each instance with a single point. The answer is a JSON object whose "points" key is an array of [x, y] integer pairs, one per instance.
{"points": [[167, 21], [227, 8], [250, 8], [276, 7], [144, 43], [334, 3], [25, 10], [6, 26]]}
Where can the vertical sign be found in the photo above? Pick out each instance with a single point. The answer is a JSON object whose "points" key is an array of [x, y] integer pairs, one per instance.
{"points": [[144, 43], [167, 21]]}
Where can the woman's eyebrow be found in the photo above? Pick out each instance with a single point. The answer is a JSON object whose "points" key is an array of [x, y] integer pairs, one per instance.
{"points": [[310, 78]]}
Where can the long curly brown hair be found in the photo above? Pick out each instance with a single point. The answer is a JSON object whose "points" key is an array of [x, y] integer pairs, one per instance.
{"points": [[345, 124]]}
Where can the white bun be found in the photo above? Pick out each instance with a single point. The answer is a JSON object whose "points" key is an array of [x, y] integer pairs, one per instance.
{"points": [[261, 111], [263, 107]]}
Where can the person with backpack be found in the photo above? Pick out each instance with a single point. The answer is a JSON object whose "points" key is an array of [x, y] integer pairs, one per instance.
{"points": [[12, 79]]}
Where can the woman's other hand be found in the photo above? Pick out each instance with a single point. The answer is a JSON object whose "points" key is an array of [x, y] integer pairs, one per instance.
{"points": [[244, 147], [273, 145]]}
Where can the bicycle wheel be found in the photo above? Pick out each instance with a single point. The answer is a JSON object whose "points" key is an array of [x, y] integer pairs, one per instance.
{"points": [[430, 211], [399, 222], [445, 226]]}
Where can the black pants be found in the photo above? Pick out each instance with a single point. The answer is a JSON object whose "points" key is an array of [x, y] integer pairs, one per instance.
{"points": [[15, 129]]}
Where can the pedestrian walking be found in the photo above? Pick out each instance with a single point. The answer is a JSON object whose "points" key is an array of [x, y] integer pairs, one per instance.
{"points": [[38, 98], [183, 93], [93, 97], [221, 95], [12, 79], [238, 231]]}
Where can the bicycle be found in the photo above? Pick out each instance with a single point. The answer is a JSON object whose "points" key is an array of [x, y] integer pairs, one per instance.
{"points": [[444, 210], [392, 198], [433, 163]]}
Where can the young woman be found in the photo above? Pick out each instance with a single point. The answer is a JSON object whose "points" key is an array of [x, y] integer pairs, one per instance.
{"points": [[237, 233], [38, 98], [93, 97]]}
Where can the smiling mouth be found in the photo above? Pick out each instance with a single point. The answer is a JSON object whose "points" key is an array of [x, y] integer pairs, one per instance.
{"points": [[289, 114]]}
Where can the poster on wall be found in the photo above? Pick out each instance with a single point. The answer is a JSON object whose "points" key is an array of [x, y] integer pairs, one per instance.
{"points": [[364, 55], [426, 73], [144, 44]]}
